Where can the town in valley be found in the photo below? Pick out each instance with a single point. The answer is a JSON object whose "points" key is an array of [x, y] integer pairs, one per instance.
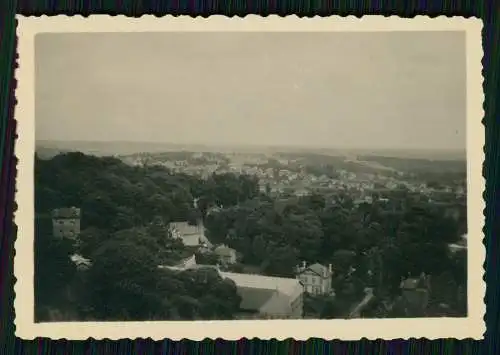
{"points": [[248, 234], [235, 175]]}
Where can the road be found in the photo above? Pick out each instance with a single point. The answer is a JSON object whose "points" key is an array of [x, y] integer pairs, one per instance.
{"points": [[356, 311]]}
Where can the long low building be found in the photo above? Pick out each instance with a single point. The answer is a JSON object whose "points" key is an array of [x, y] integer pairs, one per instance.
{"points": [[262, 297], [268, 297]]}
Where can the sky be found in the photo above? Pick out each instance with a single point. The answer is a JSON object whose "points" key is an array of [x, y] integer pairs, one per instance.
{"points": [[385, 90]]}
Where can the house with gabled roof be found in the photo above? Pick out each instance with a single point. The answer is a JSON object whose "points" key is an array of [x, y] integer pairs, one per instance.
{"points": [[316, 278], [261, 296]]}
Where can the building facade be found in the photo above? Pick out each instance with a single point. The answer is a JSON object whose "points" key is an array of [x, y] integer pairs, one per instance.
{"points": [[66, 222], [316, 278], [226, 255], [191, 235]]}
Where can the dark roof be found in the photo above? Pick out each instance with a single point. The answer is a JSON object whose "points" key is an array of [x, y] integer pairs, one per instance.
{"points": [[278, 304], [316, 268], [71, 212], [223, 250], [254, 298], [413, 284]]}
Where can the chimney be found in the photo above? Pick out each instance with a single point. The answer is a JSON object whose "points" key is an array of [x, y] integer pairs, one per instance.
{"points": [[330, 268], [303, 264]]}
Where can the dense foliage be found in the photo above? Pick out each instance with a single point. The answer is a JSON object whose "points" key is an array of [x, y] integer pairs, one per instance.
{"points": [[125, 212], [412, 237]]}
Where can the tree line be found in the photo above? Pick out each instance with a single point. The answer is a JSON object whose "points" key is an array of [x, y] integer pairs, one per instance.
{"points": [[383, 242], [126, 211], [125, 216]]}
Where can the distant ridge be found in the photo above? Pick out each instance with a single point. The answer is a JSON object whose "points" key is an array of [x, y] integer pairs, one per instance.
{"points": [[48, 148]]}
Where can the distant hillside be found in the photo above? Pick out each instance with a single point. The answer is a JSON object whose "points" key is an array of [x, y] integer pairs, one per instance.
{"points": [[128, 148], [420, 164], [50, 148], [107, 148]]}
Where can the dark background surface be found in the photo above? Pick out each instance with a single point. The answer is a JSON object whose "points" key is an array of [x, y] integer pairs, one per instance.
{"points": [[487, 11]]}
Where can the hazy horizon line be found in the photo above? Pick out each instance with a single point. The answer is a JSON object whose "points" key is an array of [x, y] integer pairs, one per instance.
{"points": [[253, 145]]}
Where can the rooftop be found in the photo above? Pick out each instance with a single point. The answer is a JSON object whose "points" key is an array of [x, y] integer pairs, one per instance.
{"points": [[185, 228], [190, 235], [80, 260], [224, 250], [254, 298], [316, 268], [66, 212], [413, 283], [278, 304], [287, 286]]}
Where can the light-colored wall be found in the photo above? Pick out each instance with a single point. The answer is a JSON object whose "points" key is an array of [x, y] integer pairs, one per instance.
{"points": [[315, 284], [66, 228]]}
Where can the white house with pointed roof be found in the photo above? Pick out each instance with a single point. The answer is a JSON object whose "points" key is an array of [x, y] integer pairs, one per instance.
{"points": [[316, 278]]}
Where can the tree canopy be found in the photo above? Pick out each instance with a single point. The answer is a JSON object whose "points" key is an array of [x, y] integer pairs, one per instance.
{"points": [[125, 215]]}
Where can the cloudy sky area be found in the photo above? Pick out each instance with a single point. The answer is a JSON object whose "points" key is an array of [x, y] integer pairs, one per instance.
{"points": [[342, 90]]}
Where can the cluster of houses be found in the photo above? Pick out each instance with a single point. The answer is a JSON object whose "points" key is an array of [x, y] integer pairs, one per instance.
{"points": [[263, 297], [194, 236], [267, 297]]}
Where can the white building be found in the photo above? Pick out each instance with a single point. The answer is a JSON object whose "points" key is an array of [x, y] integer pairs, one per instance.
{"points": [[316, 278], [191, 235], [225, 254]]}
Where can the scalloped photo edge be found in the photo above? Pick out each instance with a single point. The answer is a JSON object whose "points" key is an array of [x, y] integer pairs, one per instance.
{"points": [[472, 326]]}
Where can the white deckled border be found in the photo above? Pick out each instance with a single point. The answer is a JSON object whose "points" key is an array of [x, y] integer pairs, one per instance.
{"points": [[432, 328]]}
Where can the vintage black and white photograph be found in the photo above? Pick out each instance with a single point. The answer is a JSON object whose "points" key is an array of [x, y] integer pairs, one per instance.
{"points": [[251, 175]]}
